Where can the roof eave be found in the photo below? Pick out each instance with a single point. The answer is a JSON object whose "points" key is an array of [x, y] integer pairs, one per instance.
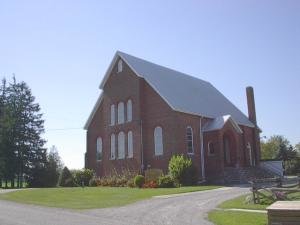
{"points": [[95, 108]]}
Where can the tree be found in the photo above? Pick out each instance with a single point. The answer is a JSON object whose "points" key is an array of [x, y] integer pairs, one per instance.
{"points": [[297, 148], [274, 147], [21, 126], [46, 174], [28, 127], [66, 179], [54, 166]]}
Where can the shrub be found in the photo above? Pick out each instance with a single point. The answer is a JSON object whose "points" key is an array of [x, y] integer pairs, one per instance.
{"points": [[139, 180], [66, 178], [153, 175], [166, 181], [83, 177], [150, 184], [122, 179], [182, 170], [93, 182]]}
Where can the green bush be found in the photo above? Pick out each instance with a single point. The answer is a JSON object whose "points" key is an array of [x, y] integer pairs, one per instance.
{"points": [[93, 182], [83, 177], [166, 181], [139, 180], [124, 178], [152, 175], [182, 170], [66, 179]]}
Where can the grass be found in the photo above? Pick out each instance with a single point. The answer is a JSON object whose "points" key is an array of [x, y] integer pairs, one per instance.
{"points": [[240, 203], [221, 217], [237, 218], [92, 197]]}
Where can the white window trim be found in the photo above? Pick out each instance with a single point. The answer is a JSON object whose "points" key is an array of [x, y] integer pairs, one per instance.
{"points": [[112, 115], [129, 106], [119, 145], [157, 151], [112, 144], [120, 66], [193, 150], [121, 113], [208, 147], [130, 141], [99, 148]]}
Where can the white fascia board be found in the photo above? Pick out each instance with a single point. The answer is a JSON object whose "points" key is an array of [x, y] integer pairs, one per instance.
{"points": [[96, 106]]}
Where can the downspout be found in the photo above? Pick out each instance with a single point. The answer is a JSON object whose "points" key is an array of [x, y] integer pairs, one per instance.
{"points": [[202, 151], [142, 151]]}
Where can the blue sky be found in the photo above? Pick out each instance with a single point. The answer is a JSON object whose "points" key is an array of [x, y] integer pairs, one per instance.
{"points": [[63, 48]]}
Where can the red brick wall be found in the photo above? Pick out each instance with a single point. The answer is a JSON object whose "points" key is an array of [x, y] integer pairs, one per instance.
{"points": [[119, 87], [149, 111]]}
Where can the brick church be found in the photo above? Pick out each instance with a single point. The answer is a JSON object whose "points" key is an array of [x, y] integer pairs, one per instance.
{"points": [[146, 113]]}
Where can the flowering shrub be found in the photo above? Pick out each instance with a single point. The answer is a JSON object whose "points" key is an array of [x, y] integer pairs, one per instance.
{"points": [[150, 184]]}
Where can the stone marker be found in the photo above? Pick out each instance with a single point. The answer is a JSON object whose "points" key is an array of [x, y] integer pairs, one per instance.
{"points": [[284, 213]]}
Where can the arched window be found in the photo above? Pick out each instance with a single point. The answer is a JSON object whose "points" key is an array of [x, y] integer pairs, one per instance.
{"points": [[112, 115], [121, 112], [189, 140], [120, 66], [130, 144], [211, 148], [99, 149], [158, 141], [129, 110], [113, 146], [121, 145]]}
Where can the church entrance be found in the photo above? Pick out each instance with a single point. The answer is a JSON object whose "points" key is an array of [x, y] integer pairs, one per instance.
{"points": [[229, 149]]}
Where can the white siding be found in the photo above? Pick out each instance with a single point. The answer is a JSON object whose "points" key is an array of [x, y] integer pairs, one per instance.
{"points": [[129, 110], [121, 145], [158, 141], [121, 112], [112, 115], [130, 144], [113, 146], [99, 149]]}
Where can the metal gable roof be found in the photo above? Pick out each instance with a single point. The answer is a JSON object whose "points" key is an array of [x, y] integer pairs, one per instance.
{"points": [[219, 122], [185, 93], [182, 92]]}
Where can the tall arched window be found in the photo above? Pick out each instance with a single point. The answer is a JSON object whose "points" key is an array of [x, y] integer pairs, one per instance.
{"points": [[120, 66], [99, 149], [129, 110], [121, 112], [158, 141], [189, 140], [130, 144], [121, 145], [112, 115], [113, 146]]}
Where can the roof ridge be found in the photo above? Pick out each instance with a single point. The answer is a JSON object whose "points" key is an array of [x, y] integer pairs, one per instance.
{"points": [[165, 67]]}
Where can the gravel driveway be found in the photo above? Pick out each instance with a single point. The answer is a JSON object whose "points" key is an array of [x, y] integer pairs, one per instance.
{"points": [[187, 209]]}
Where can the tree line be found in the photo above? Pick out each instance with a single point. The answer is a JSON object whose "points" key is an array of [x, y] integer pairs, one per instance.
{"points": [[277, 147], [23, 157]]}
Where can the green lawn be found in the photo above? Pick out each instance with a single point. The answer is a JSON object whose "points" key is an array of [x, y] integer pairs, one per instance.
{"points": [[237, 218], [92, 197], [221, 217], [240, 203]]}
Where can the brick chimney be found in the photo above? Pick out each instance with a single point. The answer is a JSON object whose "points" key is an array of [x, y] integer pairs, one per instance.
{"points": [[252, 118], [251, 105]]}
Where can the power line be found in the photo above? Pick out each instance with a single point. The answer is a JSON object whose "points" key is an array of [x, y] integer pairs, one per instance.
{"points": [[62, 129]]}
